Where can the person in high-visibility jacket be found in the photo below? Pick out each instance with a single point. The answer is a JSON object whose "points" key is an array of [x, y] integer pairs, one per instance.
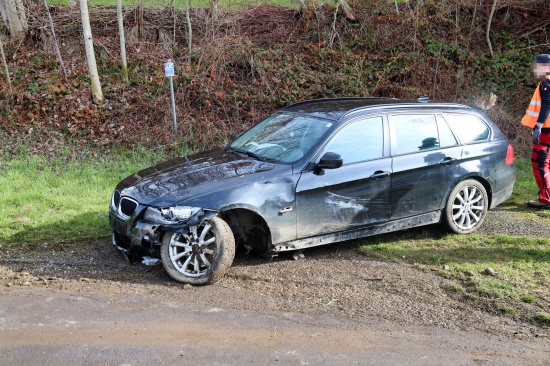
{"points": [[537, 118]]}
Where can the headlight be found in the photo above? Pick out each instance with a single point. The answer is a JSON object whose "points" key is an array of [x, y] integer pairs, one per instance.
{"points": [[170, 214], [179, 213]]}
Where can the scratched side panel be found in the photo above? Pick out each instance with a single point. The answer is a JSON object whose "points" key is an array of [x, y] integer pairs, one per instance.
{"points": [[343, 198], [420, 182]]}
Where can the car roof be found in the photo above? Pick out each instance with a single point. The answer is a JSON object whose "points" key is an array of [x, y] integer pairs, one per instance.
{"points": [[336, 108]]}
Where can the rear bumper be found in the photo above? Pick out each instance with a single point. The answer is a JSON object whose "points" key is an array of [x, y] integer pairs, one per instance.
{"points": [[505, 180], [502, 196]]}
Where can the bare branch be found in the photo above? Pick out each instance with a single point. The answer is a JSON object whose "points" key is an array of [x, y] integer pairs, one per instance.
{"points": [[5, 65], [55, 44], [495, 2]]}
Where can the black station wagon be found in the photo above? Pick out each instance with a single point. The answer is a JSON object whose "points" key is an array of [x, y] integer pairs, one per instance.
{"points": [[314, 173]]}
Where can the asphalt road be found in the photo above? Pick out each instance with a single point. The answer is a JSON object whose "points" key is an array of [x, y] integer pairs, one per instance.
{"points": [[46, 326]]}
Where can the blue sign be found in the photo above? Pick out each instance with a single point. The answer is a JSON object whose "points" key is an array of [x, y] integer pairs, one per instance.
{"points": [[169, 68]]}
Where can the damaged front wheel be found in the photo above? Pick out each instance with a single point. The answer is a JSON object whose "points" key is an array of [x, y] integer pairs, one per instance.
{"points": [[201, 255]]}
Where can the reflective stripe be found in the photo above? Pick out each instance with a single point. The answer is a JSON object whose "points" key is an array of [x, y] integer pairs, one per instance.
{"points": [[532, 113]]}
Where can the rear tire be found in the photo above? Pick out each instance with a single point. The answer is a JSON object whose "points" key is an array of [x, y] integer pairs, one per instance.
{"points": [[466, 207], [200, 256]]}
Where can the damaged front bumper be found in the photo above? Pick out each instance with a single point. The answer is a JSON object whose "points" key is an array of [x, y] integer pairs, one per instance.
{"points": [[137, 236]]}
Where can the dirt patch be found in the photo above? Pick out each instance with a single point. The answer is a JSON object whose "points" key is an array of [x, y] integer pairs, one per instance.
{"points": [[331, 280]]}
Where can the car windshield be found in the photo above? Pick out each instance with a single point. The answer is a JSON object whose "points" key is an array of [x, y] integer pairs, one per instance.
{"points": [[282, 138]]}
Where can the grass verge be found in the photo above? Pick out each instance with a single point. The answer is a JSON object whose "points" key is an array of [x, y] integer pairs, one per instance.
{"points": [[525, 189], [60, 199], [504, 274]]}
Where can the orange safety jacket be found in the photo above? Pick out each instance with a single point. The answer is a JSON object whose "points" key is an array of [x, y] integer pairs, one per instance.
{"points": [[532, 113]]}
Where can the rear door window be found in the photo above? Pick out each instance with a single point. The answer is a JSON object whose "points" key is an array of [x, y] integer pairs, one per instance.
{"points": [[469, 128], [413, 133], [445, 134]]}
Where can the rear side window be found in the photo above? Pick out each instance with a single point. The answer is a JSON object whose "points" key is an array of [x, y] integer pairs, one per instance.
{"points": [[413, 133], [469, 128]]}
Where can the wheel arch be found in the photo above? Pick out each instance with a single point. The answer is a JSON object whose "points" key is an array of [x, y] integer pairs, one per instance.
{"points": [[484, 182], [249, 228]]}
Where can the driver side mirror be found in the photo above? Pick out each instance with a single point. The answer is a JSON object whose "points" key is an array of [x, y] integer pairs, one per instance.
{"points": [[330, 161]]}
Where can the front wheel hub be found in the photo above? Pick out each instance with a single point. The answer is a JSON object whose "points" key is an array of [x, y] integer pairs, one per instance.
{"points": [[193, 253]]}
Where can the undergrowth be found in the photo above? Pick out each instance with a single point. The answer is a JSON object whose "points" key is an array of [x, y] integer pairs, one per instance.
{"points": [[247, 63]]}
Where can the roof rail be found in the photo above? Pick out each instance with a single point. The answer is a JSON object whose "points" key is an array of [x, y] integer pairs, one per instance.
{"points": [[424, 99]]}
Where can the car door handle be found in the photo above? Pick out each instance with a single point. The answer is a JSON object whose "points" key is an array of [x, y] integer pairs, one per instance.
{"points": [[285, 210], [447, 161], [379, 174]]}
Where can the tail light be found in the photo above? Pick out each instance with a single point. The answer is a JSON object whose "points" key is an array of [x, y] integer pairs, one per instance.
{"points": [[510, 155]]}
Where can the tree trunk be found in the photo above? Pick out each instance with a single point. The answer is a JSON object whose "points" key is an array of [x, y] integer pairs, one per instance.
{"points": [[97, 94], [4, 13], [122, 41], [302, 5], [22, 14], [189, 28], [495, 2], [348, 12], [12, 17], [213, 9]]}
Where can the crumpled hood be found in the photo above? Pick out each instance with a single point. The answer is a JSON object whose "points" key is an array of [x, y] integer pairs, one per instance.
{"points": [[182, 173]]}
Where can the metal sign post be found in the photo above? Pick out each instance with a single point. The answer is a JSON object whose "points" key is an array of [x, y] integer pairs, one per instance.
{"points": [[169, 71]]}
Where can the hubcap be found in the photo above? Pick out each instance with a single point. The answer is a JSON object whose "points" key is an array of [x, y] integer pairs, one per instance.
{"points": [[468, 208], [192, 253]]}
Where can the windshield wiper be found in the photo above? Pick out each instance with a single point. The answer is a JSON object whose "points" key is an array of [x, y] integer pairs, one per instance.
{"points": [[249, 153]]}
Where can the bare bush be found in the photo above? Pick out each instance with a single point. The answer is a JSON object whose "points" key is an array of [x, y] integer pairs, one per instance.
{"points": [[245, 64]]}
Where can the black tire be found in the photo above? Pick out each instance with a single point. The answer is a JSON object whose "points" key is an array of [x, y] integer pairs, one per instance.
{"points": [[466, 207], [201, 256]]}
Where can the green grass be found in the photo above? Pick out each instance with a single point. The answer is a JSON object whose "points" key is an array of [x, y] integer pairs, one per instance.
{"points": [[59, 199], [525, 188], [529, 299], [543, 317]]}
